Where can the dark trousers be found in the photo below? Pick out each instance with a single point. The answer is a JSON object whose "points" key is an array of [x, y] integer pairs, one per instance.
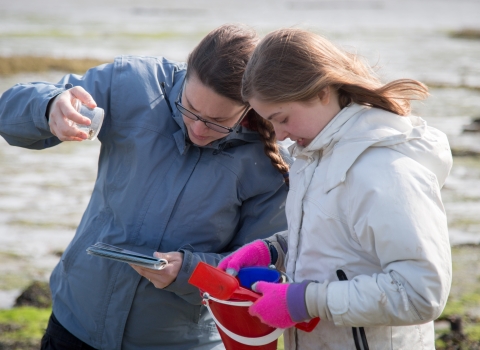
{"points": [[56, 337]]}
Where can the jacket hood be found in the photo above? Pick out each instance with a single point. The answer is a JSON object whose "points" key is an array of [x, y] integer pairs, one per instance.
{"points": [[352, 131]]}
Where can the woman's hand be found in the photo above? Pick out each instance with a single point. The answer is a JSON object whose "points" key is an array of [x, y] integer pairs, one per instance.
{"points": [[62, 116], [164, 277]]}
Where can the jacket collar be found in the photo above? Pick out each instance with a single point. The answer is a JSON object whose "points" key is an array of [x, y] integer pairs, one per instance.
{"points": [[328, 137], [353, 131]]}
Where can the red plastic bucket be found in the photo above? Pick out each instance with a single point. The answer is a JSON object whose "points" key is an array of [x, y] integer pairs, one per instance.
{"points": [[240, 330]]}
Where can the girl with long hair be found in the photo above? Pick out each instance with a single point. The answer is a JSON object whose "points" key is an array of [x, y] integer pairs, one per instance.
{"points": [[367, 246]]}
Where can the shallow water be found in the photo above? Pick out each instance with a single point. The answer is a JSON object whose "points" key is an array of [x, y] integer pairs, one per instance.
{"points": [[43, 193]]}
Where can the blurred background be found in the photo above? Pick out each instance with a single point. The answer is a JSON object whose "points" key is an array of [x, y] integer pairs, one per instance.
{"points": [[43, 193]]}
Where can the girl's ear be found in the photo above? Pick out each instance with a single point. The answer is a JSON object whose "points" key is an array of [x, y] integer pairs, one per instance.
{"points": [[324, 95]]}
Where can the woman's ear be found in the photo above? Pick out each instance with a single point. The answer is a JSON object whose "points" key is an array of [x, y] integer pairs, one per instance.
{"points": [[324, 95]]}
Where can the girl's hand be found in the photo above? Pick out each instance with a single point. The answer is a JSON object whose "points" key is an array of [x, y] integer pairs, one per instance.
{"points": [[163, 278], [62, 116], [255, 253], [282, 305]]}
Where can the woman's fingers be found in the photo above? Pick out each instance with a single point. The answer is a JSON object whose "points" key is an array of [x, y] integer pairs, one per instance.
{"points": [[163, 278], [84, 97], [159, 278], [63, 117], [64, 131], [64, 128]]}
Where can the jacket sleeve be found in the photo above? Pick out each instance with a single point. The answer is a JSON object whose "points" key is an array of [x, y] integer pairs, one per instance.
{"points": [[279, 241], [261, 217], [399, 219], [23, 107]]}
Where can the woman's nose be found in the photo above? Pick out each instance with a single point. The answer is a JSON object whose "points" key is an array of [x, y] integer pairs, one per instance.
{"points": [[199, 127]]}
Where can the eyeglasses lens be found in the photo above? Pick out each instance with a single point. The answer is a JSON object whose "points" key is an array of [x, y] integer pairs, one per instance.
{"points": [[210, 125]]}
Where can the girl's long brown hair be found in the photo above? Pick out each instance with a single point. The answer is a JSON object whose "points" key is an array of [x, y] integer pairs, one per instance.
{"points": [[219, 62], [295, 65]]}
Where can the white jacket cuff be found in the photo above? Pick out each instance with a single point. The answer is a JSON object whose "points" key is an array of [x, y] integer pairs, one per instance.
{"points": [[316, 300]]}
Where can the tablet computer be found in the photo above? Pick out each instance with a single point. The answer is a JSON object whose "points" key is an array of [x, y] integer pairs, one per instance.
{"points": [[112, 252]]}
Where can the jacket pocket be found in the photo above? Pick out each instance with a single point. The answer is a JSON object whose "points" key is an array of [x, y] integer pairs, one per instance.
{"points": [[83, 239], [406, 301]]}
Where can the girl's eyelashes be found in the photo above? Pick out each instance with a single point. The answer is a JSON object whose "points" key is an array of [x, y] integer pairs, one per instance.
{"points": [[284, 121]]}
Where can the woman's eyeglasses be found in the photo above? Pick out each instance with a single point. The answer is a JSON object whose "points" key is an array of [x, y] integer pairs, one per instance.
{"points": [[211, 125]]}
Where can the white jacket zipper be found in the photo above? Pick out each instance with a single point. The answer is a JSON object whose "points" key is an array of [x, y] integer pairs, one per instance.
{"points": [[403, 292]]}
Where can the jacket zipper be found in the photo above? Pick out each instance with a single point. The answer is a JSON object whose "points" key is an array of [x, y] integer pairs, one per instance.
{"points": [[405, 299]]}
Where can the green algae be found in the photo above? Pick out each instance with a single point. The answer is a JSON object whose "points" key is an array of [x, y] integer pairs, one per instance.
{"points": [[34, 64], [22, 325]]}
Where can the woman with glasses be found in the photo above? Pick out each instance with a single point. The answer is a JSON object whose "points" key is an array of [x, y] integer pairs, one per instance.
{"points": [[186, 169]]}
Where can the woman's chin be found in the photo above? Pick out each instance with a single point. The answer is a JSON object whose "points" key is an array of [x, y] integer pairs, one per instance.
{"points": [[199, 140]]}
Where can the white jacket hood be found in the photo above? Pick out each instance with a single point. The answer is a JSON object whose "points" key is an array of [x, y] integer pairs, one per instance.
{"points": [[353, 131]]}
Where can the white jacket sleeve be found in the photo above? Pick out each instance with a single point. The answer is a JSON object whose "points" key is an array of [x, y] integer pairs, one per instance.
{"points": [[279, 241], [397, 216]]}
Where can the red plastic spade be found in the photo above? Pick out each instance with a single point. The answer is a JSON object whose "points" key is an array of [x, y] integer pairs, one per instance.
{"points": [[223, 286], [219, 284]]}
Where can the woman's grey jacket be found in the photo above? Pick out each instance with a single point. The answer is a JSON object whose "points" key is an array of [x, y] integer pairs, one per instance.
{"points": [[154, 192]]}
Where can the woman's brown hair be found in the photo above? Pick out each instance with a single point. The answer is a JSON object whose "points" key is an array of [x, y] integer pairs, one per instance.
{"points": [[219, 62], [295, 65]]}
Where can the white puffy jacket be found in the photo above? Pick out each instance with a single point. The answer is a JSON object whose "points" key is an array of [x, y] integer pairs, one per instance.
{"points": [[365, 198]]}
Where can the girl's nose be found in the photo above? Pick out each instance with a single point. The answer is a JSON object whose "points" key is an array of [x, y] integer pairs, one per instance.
{"points": [[280, 133]]}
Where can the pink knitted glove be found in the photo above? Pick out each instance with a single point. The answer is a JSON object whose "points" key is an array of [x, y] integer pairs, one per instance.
{"points": [[255, 253], [282, 305]]}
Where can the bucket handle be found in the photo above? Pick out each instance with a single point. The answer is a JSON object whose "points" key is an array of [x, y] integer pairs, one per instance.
{"points": [[259, 341]]}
